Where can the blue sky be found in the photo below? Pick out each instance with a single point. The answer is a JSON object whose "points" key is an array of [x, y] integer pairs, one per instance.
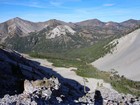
{"points": [[70, 10]]}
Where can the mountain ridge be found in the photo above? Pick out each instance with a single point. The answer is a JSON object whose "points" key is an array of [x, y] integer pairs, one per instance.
{"points": [[131, 19], [57, 34], [37, 26]]}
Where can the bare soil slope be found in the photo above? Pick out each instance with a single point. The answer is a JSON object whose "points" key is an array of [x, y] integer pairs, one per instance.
{"points": [[125, 57]]}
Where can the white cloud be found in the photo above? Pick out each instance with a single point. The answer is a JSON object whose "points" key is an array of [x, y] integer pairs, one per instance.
{"points": [[56, 3], [27, 4], [59, 3], [39, 3], [109, 5], [66, 0]]}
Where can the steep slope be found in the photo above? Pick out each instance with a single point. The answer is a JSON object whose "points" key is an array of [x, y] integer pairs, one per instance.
{"points": [[14, 69], [125, 57], [18, 74]]}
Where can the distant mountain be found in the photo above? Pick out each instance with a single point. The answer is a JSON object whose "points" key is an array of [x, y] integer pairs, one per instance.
{"points": [[92, 22], [54, 34], [18, 26], [54, 23], [131, 23]]}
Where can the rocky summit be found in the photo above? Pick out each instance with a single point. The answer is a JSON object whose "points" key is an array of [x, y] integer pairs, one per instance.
{"points": [[35, 92]]}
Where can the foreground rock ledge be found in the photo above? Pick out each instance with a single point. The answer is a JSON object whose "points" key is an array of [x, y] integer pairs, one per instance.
{"points": [[35, 92], [43, 92]]}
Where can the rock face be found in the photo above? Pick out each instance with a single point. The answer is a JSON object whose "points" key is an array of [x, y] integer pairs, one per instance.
{"points": [[59, 31], [14, 69], [44, 95], [31, 87], [35, 93]]}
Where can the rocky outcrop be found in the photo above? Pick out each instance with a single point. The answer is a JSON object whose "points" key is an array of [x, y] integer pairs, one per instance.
{"points": [[27, 82], [110, 97], [14, 69], [60, 30], [35, 93], [32, 86], [44, 95]]}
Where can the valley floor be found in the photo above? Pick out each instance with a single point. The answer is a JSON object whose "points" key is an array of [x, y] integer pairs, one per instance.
{"points": [[69, 73]]}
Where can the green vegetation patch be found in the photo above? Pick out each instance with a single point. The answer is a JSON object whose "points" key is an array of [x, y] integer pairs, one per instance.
{"points": [[81, 58]]}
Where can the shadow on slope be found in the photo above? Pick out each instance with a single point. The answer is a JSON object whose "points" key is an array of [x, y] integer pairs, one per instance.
{"points": [[14, 69]]}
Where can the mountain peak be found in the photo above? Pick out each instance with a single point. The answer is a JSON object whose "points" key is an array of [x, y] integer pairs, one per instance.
{"points": [[130, 21], [15, 19], [96, 20], [54, 22], [18, 26], [91, 22]]}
